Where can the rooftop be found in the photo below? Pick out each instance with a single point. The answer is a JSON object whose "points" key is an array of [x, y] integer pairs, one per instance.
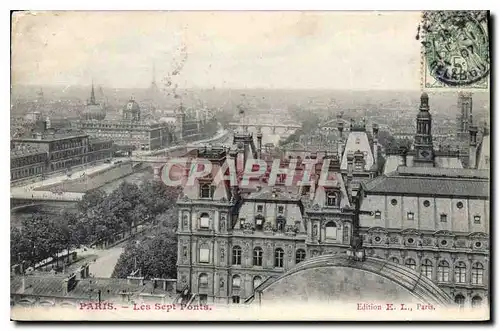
{"points": [[431, 182], [54, 285], [24, 150]]}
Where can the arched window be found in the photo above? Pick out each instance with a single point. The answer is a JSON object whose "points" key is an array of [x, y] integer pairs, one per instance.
{"points": [[477, 301], [204, 220], [278, 257], [331, 230], [331, 198], [236, 255], [410, 263], [426, 268], [460, 271], [236, 281], [205, 191], [257, 280], [443, 271], [460, 300], [394, 260], [300, 255], [257, 256], [477, 273], [203, 280]]}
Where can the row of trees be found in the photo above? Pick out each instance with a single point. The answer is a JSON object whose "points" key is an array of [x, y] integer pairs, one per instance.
{"points": [[97, 219]]}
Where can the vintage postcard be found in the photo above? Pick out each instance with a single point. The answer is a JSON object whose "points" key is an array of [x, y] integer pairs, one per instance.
{"points": [[219, 166]]}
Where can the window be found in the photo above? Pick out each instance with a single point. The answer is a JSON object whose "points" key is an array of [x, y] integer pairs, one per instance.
{"points": [[257, 256], [410, 216], [257, 280], [358, 166], [203, 281], [394, 202], [236, 281], [426, 268], [443, 271], [460, 270], [236, 255], [300, 255], [378, 214], [411, 240], [427, 203], [306, 190], [460, 300], [260, 208], [259, 222], [477, 219], [331, 230], [444, 218], [444, 242], [410, 263], [280, 209], [460, 205], [477, 301], [477, 273], [204, 220], [478, 244], [205, 191], [278, 258], [377, 239], [204, 254], [331, 199], [394, 260], [236, 299], [242, 222]]}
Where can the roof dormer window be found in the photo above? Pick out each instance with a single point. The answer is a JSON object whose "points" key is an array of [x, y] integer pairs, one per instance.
{"points": [[331, 198]]}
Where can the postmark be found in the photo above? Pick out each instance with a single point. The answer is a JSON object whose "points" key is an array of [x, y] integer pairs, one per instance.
{"points": [[455, 50]]}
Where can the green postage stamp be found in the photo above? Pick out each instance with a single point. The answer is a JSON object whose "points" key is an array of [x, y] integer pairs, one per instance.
{"points": [[455, 50]]}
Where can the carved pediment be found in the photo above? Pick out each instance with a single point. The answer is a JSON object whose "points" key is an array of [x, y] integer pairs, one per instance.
{"points": [[478, 235], [410, 232], [444, 233], [377, 229]]}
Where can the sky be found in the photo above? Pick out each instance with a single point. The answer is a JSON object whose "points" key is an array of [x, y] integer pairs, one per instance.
{"points": [[317, 50]]}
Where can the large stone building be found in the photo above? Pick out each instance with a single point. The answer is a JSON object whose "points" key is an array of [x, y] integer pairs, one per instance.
{"points": [[433, 220], [424, 219], [131, 130], [63, 150]]}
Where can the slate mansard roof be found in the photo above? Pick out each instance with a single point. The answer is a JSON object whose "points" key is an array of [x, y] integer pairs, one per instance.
{"points": [[431, 182]]}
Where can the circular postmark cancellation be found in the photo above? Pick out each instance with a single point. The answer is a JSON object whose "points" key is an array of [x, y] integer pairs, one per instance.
{"points": [[456, 47]]}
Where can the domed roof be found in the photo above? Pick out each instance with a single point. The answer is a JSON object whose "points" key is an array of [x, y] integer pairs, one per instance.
{"points": [[131, 105]]}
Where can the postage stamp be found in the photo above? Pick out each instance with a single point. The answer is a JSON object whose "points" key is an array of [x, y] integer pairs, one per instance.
{"points": [[455, 50]]}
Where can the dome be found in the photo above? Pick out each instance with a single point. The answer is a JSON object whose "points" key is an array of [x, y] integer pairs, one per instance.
{"points": [[131, 105]]}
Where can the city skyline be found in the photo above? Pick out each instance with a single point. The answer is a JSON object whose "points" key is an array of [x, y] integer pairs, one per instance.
{"points": [[276, 50]]}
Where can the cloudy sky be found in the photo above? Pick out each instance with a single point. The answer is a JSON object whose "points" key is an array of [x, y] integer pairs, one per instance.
{"points": [[332, 50]]}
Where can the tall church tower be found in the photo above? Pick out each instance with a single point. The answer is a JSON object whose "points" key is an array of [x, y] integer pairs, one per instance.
{"points": [[464, 117], [424, 151]]}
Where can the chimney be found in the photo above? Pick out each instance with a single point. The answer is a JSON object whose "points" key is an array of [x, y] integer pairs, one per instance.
{"points": [[259, 143], [472, 146], [404, 153], [69, 284], [350, 165], [375, 143]]}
